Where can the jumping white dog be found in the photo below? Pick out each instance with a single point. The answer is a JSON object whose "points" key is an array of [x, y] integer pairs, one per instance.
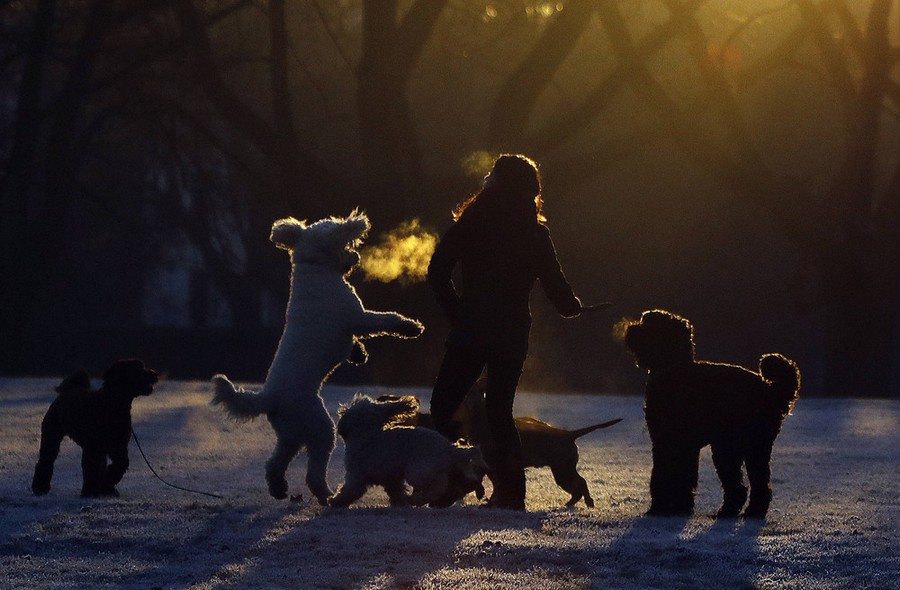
{"points": [[324, 323]]}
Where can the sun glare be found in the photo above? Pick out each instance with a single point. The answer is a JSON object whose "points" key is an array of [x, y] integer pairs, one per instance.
{"points": [[543, 10]]}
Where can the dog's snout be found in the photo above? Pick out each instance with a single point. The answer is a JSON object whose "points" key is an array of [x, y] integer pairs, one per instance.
{"points": [[350, 259]]}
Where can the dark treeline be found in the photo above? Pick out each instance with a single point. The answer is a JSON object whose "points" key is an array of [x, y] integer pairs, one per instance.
{"points": [[736, 162]]}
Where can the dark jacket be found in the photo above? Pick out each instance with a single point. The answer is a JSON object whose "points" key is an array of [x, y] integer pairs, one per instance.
{"points": [[499, 266]]}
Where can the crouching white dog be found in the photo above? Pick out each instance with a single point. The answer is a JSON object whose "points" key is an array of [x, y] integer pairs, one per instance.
{"points": [[324, 323], [380, 453]]}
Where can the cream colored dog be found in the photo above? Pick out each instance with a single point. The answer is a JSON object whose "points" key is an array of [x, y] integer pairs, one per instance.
{"points": [[324, 324], [392, 456]]}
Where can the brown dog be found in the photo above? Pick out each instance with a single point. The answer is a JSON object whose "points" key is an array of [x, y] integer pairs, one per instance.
{"points": [[543, 445]]}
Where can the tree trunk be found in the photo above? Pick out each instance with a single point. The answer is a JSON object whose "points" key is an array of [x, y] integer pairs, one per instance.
{"points": [[388, 140], [18, 264], [861, 330], [520, 92]]}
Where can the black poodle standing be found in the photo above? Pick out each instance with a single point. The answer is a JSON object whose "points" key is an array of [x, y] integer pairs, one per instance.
{"points": [[99, 421], [690, 404]]}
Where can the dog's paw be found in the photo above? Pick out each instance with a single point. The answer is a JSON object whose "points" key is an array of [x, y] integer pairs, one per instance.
{"points": [[411, 329], [278, 491], [336, 502], [358, 355]]}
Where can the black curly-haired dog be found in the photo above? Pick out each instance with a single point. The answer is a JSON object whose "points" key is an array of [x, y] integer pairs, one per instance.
{"points": [[99, 421], [690, 404]]}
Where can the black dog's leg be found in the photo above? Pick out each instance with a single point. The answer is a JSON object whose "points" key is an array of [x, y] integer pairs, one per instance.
{"points": [[673, 478], [728, 460], [687, 476], [759, 475], [115, 470], [567, 477], [51, 436], [660, 482], [396, 491], [352, 490], [93, 470]]}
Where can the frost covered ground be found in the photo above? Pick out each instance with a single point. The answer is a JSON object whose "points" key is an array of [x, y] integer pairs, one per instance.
{"points": [[834, 523]]}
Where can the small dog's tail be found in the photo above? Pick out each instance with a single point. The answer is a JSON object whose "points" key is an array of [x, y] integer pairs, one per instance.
{"points": [[588, 429], [241, 405], [783, 375]]}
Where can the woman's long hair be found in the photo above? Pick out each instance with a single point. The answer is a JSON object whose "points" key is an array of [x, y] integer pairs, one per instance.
{"points": [[511, 191]]}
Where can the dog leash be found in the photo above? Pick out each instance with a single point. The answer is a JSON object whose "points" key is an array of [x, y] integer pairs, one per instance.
{"points": [[171, 485]]}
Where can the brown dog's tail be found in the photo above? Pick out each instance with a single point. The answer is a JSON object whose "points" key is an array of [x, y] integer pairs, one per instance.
{"points": [[582, 431], [783, 375]]}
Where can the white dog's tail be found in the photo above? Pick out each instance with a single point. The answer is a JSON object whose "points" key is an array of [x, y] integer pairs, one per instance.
{"points": [[240, 404]]}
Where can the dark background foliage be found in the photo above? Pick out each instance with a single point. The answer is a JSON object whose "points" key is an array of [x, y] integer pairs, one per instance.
{"points": [[734, 161]]}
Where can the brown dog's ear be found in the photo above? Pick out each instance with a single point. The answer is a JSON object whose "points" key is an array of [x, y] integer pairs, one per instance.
{"points": [[286, 232]]}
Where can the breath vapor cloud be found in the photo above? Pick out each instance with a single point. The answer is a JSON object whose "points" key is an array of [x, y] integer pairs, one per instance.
{"points": [[402, 254]]}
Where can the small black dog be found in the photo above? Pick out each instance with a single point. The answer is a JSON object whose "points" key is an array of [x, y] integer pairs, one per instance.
{"points": [[99, 421], [690, 404]]}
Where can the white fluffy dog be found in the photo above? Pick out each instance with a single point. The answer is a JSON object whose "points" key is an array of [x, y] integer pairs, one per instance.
{"points": [[324, 322], [379, 453]]}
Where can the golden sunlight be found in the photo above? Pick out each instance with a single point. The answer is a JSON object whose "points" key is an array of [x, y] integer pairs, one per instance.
{"points": [[401, 254], [543, 10]]}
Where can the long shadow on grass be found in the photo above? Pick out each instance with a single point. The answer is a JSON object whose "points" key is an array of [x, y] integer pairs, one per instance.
{"points": [[359, 547], [677, 552]]}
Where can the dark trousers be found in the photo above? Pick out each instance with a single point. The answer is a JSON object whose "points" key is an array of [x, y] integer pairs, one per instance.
{"points": [[459, 371]]}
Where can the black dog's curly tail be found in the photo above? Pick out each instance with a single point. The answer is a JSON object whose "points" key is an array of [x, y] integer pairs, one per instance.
{"points": [[783, 375]]}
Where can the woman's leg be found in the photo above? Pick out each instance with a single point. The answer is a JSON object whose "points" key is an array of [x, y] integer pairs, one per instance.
{"points": [[459, 371], [509, 466]]}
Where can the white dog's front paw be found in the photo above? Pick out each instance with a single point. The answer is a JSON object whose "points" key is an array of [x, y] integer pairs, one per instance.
{"points": [[412, 329]]}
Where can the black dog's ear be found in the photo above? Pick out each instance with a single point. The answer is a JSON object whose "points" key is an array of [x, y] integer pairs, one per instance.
{"points": [[632, 335], [75, 381], [124, 369]]}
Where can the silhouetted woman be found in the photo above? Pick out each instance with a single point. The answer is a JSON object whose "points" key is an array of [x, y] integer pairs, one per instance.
{"points": [[502, 246]]}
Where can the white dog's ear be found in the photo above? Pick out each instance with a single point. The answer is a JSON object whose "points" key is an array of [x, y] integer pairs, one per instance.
{"points": [[286, 232], [356, 225]]}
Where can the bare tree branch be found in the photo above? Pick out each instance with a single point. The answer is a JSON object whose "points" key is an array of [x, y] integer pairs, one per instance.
{"points": [[281, 95], [414, 31], [518, 95], [859, 173], [559, 129], [832, 57]]}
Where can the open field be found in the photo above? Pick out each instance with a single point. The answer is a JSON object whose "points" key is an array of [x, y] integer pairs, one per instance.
{"points": [[834, 523]]}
